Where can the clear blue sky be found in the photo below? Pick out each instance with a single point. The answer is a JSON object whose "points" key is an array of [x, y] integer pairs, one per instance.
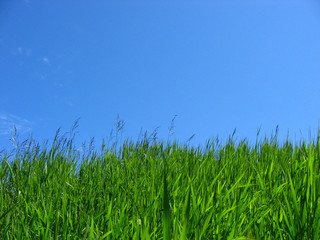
{"points": [[218, 65]]}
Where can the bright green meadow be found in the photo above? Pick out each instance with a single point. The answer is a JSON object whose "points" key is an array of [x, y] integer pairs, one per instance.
{"points": [[161, 190]]}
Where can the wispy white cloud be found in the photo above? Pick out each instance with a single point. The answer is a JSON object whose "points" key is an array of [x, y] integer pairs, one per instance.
{"points": [[27, 2], [22, 55], [28, 52], [49, 67], [9, 121], [69, 103], [58, 84], [23, 51], [46, 60]]}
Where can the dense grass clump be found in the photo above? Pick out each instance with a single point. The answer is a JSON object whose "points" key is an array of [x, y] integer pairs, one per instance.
{"points": [[153, 190]]}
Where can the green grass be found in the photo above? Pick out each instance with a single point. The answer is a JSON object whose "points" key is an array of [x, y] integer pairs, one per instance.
{"points": [[164, 191]]}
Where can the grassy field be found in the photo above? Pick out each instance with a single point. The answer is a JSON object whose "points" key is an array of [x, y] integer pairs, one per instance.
{"points": [[157, 190]]}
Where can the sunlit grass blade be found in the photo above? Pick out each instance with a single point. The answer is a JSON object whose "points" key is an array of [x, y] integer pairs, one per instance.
{"points": [[166, 207], [186, 215]]}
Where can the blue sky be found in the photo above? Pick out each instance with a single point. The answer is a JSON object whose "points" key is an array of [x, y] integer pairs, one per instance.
{"points": [[217, 65]]}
